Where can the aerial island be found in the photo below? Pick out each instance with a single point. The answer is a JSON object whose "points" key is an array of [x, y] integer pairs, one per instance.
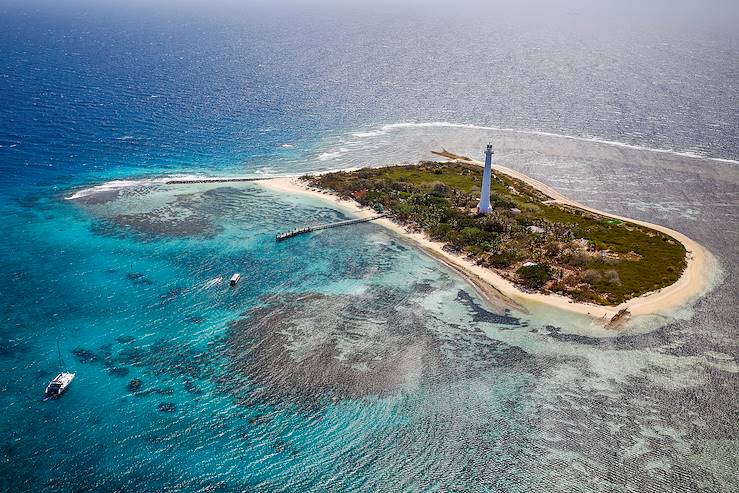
{"points": [[523, 239]]}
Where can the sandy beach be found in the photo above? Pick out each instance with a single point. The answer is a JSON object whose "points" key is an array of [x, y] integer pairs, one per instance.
{"points": [[498, 290]]}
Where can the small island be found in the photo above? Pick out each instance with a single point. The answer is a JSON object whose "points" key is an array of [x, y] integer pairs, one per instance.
{"points": [[530, 246], [527, 238]]}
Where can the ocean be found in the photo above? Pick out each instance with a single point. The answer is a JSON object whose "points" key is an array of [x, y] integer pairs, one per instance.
{"points": [[347, 360]]}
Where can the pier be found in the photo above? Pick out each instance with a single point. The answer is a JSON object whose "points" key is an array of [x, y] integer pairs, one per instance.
{"points": [[187, 181], [309, 229]]}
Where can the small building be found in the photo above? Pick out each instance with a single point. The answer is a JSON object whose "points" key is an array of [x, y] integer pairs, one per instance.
{"points": [[515, 211]]}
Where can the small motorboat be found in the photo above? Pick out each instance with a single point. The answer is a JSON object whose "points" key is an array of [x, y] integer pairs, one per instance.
{"points": [[60, 382], [235, 279]]}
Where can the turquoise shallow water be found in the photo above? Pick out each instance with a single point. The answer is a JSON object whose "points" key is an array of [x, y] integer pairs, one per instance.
{"points": [[137, 307]]}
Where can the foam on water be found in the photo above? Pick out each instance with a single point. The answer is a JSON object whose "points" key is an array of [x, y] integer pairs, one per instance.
{"points": [[385, 129], [115, 185], [326, 156]]}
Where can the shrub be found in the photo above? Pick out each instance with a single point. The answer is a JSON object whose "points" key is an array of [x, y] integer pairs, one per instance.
{"points": [[590, 276], [502, 259], [400, 186], [495, 222], [577, 258], [608, 260], [438, 188], [551, 249], [612, 277], [472, 235], [534, 276], [440, 231]]}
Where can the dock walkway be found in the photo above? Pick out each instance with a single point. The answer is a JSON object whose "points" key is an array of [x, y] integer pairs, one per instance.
{"points": [[309, 229], [188, 181]]}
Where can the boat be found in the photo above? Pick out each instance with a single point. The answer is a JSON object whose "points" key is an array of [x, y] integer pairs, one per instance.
{"points": [[60, 382], [235, 279]]}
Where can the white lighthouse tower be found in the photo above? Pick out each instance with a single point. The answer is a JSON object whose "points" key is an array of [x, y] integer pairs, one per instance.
{"points": [[484, 206]]}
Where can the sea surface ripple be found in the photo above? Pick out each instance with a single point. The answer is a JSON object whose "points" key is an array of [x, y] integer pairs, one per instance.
{"points": [[347, 360]]}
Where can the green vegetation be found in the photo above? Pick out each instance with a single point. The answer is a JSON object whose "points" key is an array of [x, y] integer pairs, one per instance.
{"points": [[566, 250], [534, 276]]}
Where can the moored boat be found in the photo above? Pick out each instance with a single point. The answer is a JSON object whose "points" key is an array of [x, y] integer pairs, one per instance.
{"points": [[59, 384]]}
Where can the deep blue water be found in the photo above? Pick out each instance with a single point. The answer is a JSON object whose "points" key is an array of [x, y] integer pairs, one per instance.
{"points": [[347, 360], [88, 89]]}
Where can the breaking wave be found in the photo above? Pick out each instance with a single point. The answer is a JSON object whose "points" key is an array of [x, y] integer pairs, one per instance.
{"points": [[388, 128], [115, 185]]}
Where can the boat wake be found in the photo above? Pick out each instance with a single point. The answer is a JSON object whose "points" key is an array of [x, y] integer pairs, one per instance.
{"points": [[213, 282]]}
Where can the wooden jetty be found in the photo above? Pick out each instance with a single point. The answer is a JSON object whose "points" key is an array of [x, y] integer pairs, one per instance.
{"points": [[309, 229]]}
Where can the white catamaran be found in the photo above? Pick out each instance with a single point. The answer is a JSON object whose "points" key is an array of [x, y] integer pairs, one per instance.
{"points": [[60, 382]]}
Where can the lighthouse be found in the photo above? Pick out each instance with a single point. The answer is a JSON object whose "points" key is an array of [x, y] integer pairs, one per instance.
{"points": [[484, 206]]}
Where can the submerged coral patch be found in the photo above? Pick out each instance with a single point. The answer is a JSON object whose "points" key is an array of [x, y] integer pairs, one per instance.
{"points": [[318, 351], [167, 407], [157, 223], [480, 314], [134, 385], [118, 371], [315, 348], [85, 355], [183, 216]]}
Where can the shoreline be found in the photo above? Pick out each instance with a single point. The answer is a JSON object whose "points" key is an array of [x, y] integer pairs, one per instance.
{"points": [[496, 289]]}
